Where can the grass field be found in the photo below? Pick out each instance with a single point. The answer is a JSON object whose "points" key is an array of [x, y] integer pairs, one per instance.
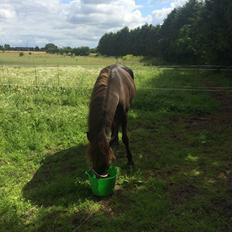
{"points": [[181, 141], [44, 59]]}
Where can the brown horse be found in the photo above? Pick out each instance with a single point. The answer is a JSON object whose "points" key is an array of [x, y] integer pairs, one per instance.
{"points": [[111, 98]]}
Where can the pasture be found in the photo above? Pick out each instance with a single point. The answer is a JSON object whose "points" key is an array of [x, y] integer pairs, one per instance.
{"points": [[180, 131]]}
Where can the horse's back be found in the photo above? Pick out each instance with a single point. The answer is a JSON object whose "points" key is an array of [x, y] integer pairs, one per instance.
{"points": [[114, 85], [121, 82]]}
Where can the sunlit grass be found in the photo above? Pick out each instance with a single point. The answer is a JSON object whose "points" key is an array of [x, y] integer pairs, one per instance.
{"points": [[178, 184]]}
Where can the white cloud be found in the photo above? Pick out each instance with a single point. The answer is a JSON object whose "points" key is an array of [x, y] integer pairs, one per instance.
{"points": [[79, 22], [6, 12], [178, 3], [105, 14], [159, 15]]}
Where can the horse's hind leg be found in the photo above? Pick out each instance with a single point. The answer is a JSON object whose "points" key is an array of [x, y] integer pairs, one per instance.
{"points": [[125, 140]]}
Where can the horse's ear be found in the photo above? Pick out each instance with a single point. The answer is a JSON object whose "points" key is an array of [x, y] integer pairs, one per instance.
{"points": [[87, 134]]}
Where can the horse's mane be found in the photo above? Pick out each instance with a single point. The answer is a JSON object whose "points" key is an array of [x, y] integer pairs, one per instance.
{"points": [[98, 99], [97, 117]]}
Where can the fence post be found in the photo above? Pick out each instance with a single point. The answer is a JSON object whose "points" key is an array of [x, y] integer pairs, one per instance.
{"points": [[7, 76], [36, 79], [3, 78], [58, 76]]}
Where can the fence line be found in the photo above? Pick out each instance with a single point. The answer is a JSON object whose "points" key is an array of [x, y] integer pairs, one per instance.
{"points": [[200, 89], [217, 89], [176, 89], [44, 86], [5, 71], [190, 67]]}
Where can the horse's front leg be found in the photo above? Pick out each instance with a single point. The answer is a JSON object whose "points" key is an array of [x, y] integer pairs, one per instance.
{"points": [[114, 135], [125, 140]]}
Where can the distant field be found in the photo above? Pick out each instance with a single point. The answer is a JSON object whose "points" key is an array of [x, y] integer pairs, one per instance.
{"points": [[181, 141], [42, 58]]}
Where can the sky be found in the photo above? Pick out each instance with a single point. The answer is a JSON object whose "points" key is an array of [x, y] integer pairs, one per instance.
{"points": [[75, 23]]}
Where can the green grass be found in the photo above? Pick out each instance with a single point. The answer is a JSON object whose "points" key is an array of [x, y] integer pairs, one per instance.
{"points": [[182, 180]]}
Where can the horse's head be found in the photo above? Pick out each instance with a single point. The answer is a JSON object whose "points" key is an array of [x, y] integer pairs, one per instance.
{"points": [[100, 153]]}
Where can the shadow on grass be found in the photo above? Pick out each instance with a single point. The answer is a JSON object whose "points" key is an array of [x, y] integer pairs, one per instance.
{"points": [[60, 180], [175, 91], [175, 189]]}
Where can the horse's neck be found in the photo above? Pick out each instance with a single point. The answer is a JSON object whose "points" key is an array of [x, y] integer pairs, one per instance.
{"points": [[104, 115], [107, 133], [97, 111]]}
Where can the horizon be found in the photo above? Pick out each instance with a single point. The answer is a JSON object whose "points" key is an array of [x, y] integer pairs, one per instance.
{"points": [[75, 23]]}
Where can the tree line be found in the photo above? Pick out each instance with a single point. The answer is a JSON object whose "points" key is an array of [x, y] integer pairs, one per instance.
{"points": [[200, 32], [79, 51], [7, 47], [53, 49]]}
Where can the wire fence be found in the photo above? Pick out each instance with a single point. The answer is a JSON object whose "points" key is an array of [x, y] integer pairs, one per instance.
{"points": [[68, 77], [37, 77], [88, 88]]}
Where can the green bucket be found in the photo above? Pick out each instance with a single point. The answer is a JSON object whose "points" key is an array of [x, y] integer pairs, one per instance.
{"points": [[103, 187]]}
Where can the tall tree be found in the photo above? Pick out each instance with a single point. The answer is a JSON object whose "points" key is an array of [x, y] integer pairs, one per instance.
{"points": [[179, 33], [51, 48], [200, 32], [216, 29], [7, 47]]}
